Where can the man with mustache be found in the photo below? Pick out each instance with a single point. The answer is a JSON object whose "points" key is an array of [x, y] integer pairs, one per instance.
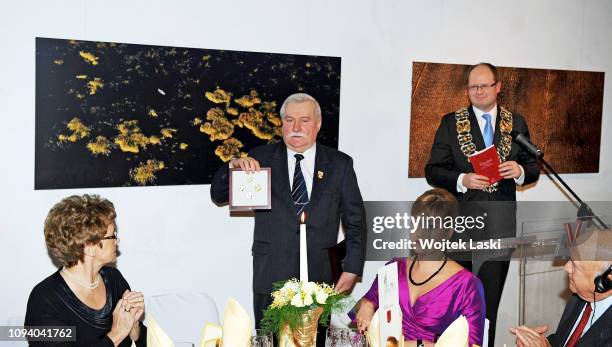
{"points": [[306, 177]]}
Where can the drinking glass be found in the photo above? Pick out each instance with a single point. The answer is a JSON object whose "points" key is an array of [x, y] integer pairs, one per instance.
{"points": [[260, 339], [344, 337]]}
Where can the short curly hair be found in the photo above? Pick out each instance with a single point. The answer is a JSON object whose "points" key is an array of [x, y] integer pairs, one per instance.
{"points": [[73, 223]]}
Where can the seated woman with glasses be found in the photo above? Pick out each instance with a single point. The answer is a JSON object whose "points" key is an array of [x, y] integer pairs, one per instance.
{"points": [[81, 237], [433, 290]]}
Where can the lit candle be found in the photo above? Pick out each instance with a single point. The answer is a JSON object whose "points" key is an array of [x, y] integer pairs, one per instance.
{"points": [[303, 250]]}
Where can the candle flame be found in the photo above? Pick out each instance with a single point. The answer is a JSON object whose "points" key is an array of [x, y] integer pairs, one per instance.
{"points": [[303, 218]]}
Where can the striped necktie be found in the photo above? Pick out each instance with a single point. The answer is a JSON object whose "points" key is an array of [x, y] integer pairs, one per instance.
{"points": [[299, 194]]}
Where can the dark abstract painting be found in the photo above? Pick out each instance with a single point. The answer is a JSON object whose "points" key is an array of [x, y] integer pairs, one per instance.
{"points": [[557, 105], [115, 114]]}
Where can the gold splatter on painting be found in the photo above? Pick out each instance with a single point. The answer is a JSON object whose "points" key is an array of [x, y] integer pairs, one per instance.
{"points": [[254, 121], [229, 149], [79, 131], [154, 140], [100, 146], [81, 77], [130, 139], [247, 101], [94, 85], [219, 96], [145, 172], [232, 110], [219, 128], [58, 61], [269, 110], [183, 146], [167, 133], [88, 57], [152, 113]]}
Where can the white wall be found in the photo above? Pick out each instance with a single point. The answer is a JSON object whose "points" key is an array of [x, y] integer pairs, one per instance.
{"points": [[174, 238]]}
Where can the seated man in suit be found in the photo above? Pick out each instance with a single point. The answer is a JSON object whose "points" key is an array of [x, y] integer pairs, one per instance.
{"points": [[587, 318], [306, 176]]}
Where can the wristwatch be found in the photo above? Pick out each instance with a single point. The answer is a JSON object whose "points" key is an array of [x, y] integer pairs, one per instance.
{"points": [[420, 343]]}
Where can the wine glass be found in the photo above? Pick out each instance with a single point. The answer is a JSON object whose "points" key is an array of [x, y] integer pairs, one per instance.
{"points": [[345, 337], [261, 339]]}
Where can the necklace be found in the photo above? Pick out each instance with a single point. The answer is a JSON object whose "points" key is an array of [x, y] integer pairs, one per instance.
{"points": [[430, 277], [464, 136], [73, 278]]}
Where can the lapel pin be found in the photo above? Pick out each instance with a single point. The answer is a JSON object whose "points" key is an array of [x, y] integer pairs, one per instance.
{"points": [[320, 174]]}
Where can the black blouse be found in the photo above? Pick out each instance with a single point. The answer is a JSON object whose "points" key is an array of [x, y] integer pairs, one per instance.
{"points": [[52, 303]]}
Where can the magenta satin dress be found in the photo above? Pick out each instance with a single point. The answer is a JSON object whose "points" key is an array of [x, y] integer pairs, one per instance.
{"points": [[433, 312]]}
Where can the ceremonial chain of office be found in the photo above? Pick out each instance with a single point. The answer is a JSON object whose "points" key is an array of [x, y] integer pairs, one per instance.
{"points": [[467, 144]]}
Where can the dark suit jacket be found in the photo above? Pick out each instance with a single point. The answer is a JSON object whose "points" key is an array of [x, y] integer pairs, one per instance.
{"points": [[599, 335], [447, 161], [335, 197]]}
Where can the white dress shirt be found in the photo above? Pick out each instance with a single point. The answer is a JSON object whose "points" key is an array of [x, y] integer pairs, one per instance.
{"points": [[481, 121], [307, 165], [481, 124]]}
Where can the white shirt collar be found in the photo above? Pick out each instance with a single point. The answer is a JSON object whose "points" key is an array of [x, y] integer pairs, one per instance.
{"points": [[599, 307], [481, 121], [307, 164], [310, 152], [478, 112]]}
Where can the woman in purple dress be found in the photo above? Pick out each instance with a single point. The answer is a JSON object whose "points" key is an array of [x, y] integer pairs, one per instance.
{"points": [[434, 290]]}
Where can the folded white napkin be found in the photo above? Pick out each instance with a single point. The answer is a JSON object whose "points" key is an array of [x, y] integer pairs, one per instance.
{"points": [[374, 331], [211, 335], [156, 336], [456, 335], [237, 325]]}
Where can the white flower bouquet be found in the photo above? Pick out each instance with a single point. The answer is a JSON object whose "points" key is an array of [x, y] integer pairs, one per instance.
{"points": [[293, 298]]}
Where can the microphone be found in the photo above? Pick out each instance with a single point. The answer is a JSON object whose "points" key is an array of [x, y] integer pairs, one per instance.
{"points": [[523, 140]]}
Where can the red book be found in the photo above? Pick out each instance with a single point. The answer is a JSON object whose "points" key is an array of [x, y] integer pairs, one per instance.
{"points": [[486, 163]]}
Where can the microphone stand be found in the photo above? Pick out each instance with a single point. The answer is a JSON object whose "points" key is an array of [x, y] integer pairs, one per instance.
{"points": [[584, 211]]}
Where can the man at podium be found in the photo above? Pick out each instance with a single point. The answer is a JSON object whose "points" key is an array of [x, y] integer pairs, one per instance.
{"points": [[464, 132]]}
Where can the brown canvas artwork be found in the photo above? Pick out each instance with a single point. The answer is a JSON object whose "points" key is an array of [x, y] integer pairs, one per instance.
{"points": [[563, 110]]}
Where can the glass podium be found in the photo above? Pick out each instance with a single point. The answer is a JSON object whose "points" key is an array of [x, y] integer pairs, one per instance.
{"points": [[543, 250]]}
